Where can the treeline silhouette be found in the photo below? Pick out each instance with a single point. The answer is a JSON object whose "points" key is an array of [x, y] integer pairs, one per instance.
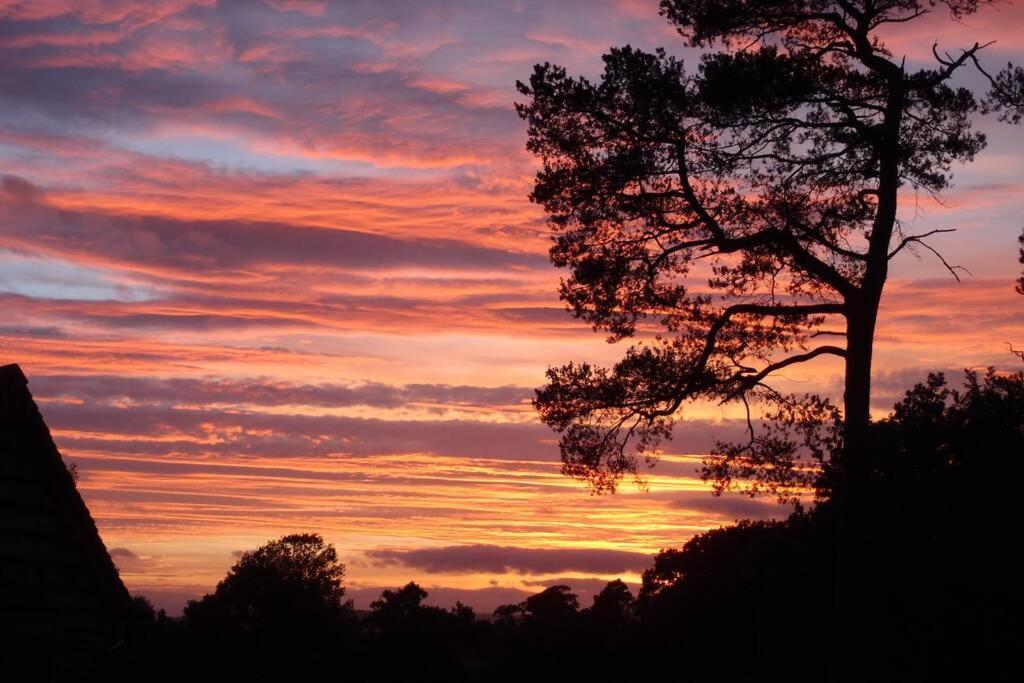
{"points": [[753, 601]]}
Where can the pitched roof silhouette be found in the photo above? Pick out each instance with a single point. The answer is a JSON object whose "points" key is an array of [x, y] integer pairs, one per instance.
{"points": [[60, 594]]}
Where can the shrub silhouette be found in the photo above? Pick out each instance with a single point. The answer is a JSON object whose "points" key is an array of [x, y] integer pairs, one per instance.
{"points": [[943, 593]]}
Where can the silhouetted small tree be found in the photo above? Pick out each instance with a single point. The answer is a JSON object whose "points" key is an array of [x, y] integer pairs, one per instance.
{"points": [[400, 604], [296, 576], [285, 598], [555, 605], [403, 608], [613, 605]]}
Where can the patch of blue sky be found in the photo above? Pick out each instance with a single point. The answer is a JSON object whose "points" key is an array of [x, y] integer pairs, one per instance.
{"points": [[50, 278], [15, 152], [236, 155]]}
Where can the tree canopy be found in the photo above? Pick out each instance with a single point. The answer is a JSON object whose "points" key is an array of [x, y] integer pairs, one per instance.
{"points": [[748, 207], [296, 579]]}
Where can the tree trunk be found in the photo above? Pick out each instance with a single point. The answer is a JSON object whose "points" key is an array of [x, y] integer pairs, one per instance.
{"points": [[853, 648], [860, 335], [856, 647]]}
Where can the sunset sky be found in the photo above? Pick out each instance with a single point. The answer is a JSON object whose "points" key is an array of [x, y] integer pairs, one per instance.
{"points": [[271, 267]]}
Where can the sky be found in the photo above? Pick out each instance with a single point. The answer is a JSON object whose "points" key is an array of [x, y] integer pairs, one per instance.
{"points": [[271, 267]]}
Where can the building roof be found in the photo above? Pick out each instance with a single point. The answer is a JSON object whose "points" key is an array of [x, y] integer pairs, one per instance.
{"points": [[57, 581]]}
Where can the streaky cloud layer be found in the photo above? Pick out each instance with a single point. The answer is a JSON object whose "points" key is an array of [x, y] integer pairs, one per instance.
{"points": [[271, 266]]}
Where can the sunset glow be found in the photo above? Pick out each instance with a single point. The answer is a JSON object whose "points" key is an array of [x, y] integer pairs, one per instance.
{"points": [[272, 267]]}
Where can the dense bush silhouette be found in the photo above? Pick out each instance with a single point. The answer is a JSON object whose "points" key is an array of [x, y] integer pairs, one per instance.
{"points": [[756, 596], [946, 471], [752, 601], [945, 467]]}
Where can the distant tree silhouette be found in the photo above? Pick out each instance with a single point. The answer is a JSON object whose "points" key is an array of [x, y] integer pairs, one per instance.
{"points": [[462, 612], [283, 598], [555, 605], [298, 575], [435, 643], [614, 604], [611, 626], [151, 647], [396, 605], [508, 614], [536, 636], [771, 172], [404, 608]]}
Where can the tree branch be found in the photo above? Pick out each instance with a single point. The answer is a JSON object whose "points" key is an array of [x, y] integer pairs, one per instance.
{"points": [[695, 369], [748, 381], [917, 238], [950, 65], [790, 245], [951, 269]]}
